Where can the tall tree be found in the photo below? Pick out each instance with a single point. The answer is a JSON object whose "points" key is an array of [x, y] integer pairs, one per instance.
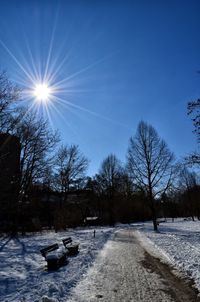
{"points": [[109, 181], [37, 144], [109, 174], [149, 163], [71, 166]]}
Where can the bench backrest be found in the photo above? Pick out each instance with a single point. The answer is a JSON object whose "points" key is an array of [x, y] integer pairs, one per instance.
{"points": [[67, 241], [48, 249]]}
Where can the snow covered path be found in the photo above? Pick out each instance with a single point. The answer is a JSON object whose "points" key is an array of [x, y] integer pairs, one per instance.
{"points": [[124, 272]]}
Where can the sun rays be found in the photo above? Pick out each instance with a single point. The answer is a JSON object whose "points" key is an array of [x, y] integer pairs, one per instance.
{"points": [[47, 88], [42, 92]]}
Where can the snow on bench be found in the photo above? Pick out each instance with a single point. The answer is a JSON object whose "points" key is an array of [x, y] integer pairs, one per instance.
{"points": [[54, 256], [72, 247]]}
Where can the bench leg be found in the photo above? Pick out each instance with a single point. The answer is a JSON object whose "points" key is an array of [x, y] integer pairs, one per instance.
{"points": [[62, 260], [52, 264], [72, 251]]}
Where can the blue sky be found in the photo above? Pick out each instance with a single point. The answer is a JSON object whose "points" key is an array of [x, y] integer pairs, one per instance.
{"points": [[117, 62]]}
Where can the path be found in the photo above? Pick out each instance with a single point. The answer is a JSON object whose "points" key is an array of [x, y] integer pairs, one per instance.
{"points": [[124, 272]]}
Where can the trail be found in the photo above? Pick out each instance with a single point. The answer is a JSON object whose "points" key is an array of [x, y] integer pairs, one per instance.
{"points": [[124, 272]]}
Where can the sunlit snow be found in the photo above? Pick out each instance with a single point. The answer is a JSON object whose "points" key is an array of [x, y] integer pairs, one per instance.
{"points": [[23, 273]]}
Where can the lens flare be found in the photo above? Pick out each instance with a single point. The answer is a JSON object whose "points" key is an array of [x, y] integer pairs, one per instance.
{"points": [[48, 87], [42, 92]]}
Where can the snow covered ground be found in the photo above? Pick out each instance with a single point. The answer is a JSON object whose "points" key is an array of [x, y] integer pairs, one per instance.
{"points": [[23, 274], [121, 273], [177, 243]]}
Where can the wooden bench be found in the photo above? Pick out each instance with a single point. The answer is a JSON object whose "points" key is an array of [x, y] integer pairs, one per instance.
{"points": [[54, 256], [71, 247]]}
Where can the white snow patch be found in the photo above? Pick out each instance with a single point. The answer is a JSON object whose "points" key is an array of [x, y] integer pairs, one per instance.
{"points": [[23, 272], [176, 243]]}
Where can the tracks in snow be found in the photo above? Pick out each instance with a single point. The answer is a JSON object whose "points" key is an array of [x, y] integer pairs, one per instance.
{"points": [[123, 271]]}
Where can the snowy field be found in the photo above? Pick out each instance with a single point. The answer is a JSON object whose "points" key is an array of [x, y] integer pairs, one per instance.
{"points": [[23, 273], [177, 243]]}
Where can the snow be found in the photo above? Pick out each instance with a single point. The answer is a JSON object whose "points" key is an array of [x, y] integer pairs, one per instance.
{"points": [[176, 243], [56, 254], [24, 276], [23, 272], [118, 275]]}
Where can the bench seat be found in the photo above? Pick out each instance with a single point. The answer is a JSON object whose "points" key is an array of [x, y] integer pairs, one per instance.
{"points": [[72, 247], [54, 256]]}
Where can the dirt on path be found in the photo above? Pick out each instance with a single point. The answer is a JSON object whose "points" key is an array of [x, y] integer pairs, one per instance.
{"points": [[125, 272], [179, 289]]}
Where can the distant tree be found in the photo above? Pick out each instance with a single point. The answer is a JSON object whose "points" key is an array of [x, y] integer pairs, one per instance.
{"points": [[71, 166], [193, 159], [170, 205], [109, 174], [194, 112], [48, 181], [109, 182], [188, 186], [150, 164]]}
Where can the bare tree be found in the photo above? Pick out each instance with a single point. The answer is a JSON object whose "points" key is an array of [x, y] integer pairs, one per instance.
{"points": [[149, 163], [37, 144], [9, 95], [109, 174], [188, 186], [37, 141], [71, 166], [109, 181], [194, 112], [48, 179]]}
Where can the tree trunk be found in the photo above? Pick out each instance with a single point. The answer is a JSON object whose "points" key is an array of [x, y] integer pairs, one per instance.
{"points": [[155, 226], [152, 206], [153, 211]]}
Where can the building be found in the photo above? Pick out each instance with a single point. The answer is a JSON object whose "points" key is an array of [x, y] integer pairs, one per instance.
{"points": [[9, 177]]}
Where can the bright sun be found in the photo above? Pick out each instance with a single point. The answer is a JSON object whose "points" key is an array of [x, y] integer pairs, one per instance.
{"points": [[42, 92]]}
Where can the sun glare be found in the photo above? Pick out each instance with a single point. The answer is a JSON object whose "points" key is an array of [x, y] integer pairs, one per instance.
{"points": [[42, 92]]}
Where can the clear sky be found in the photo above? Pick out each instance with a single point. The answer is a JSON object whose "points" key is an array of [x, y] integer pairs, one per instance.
{"points": [[113, 63]]}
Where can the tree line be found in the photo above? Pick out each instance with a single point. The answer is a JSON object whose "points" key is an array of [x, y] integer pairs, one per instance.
{"points": [[151, 183]]}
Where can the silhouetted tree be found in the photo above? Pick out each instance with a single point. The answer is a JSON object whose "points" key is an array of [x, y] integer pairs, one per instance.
{"points": [[9, 96], [149, 162], [71, 166], [194, 112], [109, 174], [48, 179], [37, 144], [188, 183], [109, 182]]}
